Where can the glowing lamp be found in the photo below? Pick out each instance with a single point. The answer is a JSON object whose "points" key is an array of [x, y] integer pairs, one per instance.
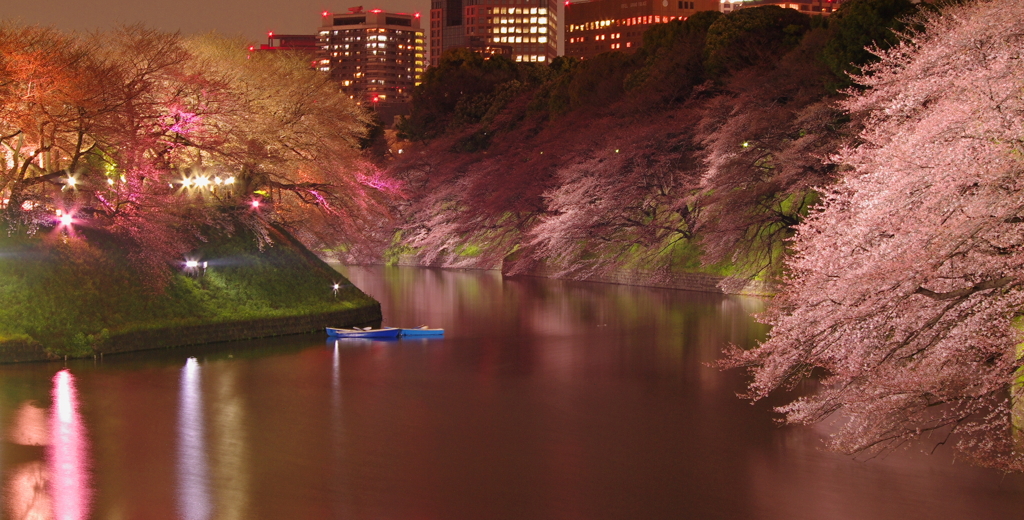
{"points": [[252, 48], [110, 181], [229, 180], [417, 15], [191, 264], [270, 34], [71, 182], [325, 14], [337, 286], [255, 204], [66, 219], [376, 11]]}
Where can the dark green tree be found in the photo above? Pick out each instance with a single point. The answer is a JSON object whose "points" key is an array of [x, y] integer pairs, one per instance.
{"points": [[752, 36], [461, 77], [858, 25]]}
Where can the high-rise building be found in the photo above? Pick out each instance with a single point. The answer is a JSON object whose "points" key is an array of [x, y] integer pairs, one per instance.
{"points": [[523, 30], [376, 56], [593, 27]]}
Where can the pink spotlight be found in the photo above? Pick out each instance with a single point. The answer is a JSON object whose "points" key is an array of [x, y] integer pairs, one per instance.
{"points": [[66, 219]]}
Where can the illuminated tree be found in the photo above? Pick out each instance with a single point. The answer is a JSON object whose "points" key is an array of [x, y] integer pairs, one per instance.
{"points": [[906, 283], [765, 141], [156, 138]]}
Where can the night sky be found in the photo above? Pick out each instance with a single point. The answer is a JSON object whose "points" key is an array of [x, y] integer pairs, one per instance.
{"points": [[248, 18]]}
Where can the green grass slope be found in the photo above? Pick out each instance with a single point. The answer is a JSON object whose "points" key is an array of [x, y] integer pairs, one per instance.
{"points": [[71, 294]]}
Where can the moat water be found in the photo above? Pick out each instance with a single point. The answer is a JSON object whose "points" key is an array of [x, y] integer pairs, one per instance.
{"points": [[544, 400]]}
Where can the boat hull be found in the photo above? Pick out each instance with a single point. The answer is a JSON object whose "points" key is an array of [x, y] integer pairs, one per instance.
{"points": [[422, 333], [382, 333]]}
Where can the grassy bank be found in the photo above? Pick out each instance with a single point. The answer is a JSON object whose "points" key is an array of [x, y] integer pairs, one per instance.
{"points": [[72, 296]]}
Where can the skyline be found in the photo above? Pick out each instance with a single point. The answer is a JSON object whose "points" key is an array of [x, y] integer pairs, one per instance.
{"points": [[250, 19]]}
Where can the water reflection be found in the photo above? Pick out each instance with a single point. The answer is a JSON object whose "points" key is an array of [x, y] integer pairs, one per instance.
{"points": [[67, 454], [57, 487], [231, 468], [544, 400], [193, 475]]}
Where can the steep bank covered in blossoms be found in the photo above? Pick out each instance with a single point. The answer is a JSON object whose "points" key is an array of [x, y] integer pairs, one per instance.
{"points": [[698, 154]]}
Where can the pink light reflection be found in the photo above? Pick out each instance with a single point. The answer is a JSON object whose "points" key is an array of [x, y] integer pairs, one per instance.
{"points": [[66, 456]]}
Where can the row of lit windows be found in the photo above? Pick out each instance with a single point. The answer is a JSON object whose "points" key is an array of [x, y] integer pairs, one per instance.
{"points": [[543, 11], [370, 30], [532, 58], [533, 19], [520, 30], [636, 20], [520, 39]]}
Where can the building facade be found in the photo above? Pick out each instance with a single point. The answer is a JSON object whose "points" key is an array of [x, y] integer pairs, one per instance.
{"points": [[523, 30], [377, 57], [593, 27]]}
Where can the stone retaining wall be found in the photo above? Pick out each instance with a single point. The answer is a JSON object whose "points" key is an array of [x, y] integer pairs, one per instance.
{"points": [[700, 282], [20, 351]]}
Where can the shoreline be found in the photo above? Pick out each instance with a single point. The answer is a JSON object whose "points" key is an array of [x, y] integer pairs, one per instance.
{"points": [[683, 281], [23, 351]]}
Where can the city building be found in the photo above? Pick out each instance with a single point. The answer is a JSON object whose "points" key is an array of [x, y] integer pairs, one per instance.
{"points": [[305, 44], [377, 57], [523, 30], [811, 7], [308, 43], [593, 27]]}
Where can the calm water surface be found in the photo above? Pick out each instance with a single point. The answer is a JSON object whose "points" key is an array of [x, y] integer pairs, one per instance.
{"points": [[546, 400]]}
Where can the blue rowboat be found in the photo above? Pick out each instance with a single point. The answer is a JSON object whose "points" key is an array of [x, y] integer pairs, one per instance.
{"points": [[381, 333], [422, 332]]}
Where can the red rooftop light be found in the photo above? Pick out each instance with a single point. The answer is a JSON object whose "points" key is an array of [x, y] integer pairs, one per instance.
{"points": [[325, 14], [270, 34], [376, 11], [417, 15]]}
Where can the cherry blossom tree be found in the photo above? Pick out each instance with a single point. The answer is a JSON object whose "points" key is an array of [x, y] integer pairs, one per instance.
{"points": [[157, 140], [765, 138], [906, 283]]}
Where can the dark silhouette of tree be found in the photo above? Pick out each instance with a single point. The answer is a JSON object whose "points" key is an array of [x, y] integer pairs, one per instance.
{"points": [[755, 36], [858, 26]]}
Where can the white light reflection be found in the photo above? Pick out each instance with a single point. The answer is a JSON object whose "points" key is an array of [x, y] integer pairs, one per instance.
{"points": [[229, 456], [69, 485], [193, 474]]}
